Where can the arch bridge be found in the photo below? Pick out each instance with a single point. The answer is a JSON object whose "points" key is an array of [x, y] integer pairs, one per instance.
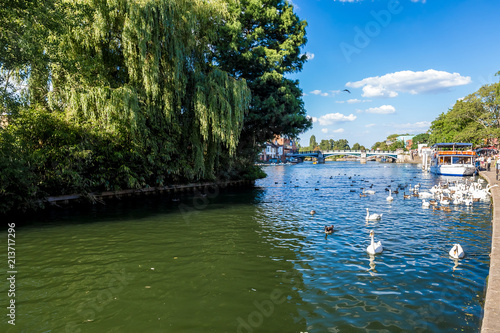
{"points": [[364, 155]]}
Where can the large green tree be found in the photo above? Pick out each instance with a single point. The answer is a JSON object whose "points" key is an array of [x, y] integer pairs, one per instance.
{"points": [[128, 94], [262, 44], [341, 144], [25, 26], [324, 145], [312, 142], [142, 69], [476, 119], [120, 94]]}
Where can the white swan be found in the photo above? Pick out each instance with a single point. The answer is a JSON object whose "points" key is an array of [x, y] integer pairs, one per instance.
{"points": [[425, 204], [457, 252], [374, 248], [372, 216], [389, 198], [369, 192], [444, 201], [425, 195]]}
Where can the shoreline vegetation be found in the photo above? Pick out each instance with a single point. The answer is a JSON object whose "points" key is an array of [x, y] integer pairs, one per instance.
{"points": [[101, 96]]}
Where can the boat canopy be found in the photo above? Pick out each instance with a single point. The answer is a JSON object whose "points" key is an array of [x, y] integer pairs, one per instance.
{"points": [[453, 145]]}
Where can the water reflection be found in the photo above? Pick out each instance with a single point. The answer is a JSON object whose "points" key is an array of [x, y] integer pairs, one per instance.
{"points": [[456, 264], [372, 265]]}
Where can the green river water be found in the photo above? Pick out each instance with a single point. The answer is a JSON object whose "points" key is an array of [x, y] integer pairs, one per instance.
{"points": [[254, 260]]}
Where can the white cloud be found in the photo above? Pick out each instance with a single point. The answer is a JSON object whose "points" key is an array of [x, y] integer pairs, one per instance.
{"points": [[326, 130], [310, 56], [318, 92], [384, 109], [354, 101], [331, 118], [370, 125], [429, 81]]}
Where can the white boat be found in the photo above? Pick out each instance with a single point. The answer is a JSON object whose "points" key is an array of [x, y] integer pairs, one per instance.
{"points": [[453, 159]]}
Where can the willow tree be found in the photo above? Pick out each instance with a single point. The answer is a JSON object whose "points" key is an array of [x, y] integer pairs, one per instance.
{"points": [[140, 69], [24, 29]]}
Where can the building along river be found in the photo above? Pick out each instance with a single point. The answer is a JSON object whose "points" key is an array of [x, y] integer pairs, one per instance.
{"points": [[257, 260]]}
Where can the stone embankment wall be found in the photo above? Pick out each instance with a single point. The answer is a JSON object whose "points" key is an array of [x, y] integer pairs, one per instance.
{"points": [[491, 318], [169, 189]]}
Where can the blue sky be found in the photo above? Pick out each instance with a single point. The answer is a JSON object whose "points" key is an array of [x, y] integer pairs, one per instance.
{"points": [[404, 63]]}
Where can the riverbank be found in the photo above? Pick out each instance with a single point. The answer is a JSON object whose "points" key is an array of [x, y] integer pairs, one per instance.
{"points": [[491, 318], [170, 189]]}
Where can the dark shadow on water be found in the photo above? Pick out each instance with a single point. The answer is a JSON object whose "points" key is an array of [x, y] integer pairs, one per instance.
{"points": [[133, 208]]}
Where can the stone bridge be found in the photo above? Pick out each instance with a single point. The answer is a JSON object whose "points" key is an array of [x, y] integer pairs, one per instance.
{"points": [[364, 155]]}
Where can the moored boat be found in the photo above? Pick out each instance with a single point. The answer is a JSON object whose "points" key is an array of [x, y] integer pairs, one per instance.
{"points": [[453, 159]]}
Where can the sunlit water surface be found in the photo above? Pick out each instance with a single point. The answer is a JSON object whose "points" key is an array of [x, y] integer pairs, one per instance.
{"points": [[256, 260]]}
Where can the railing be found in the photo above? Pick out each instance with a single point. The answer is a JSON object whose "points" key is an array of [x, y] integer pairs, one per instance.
{"points": [[343, 151]]}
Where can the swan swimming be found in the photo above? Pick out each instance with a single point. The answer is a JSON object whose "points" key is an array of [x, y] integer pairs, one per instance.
{"points": [[372, 216], [457, 252], [390, 197], [425, 203], [374, 248]]}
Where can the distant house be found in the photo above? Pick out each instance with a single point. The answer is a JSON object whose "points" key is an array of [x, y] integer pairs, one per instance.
{"points": [[269, 152], [407, 140], [277, 150]]}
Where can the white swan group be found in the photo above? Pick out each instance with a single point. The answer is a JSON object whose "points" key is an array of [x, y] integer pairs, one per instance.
{"points": [[444, 195]]}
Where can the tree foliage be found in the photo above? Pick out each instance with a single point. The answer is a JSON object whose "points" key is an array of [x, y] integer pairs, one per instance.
{"points": [[113, 94], [420, 138], [312, 142], [391, 143], [357, 146], [262, 45], [475, 119]]}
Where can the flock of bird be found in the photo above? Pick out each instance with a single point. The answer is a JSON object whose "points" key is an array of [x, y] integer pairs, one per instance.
{"points": [[440, 197]]}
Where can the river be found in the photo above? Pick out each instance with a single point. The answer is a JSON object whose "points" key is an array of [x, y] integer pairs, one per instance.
{"points": [[256, 260]]}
